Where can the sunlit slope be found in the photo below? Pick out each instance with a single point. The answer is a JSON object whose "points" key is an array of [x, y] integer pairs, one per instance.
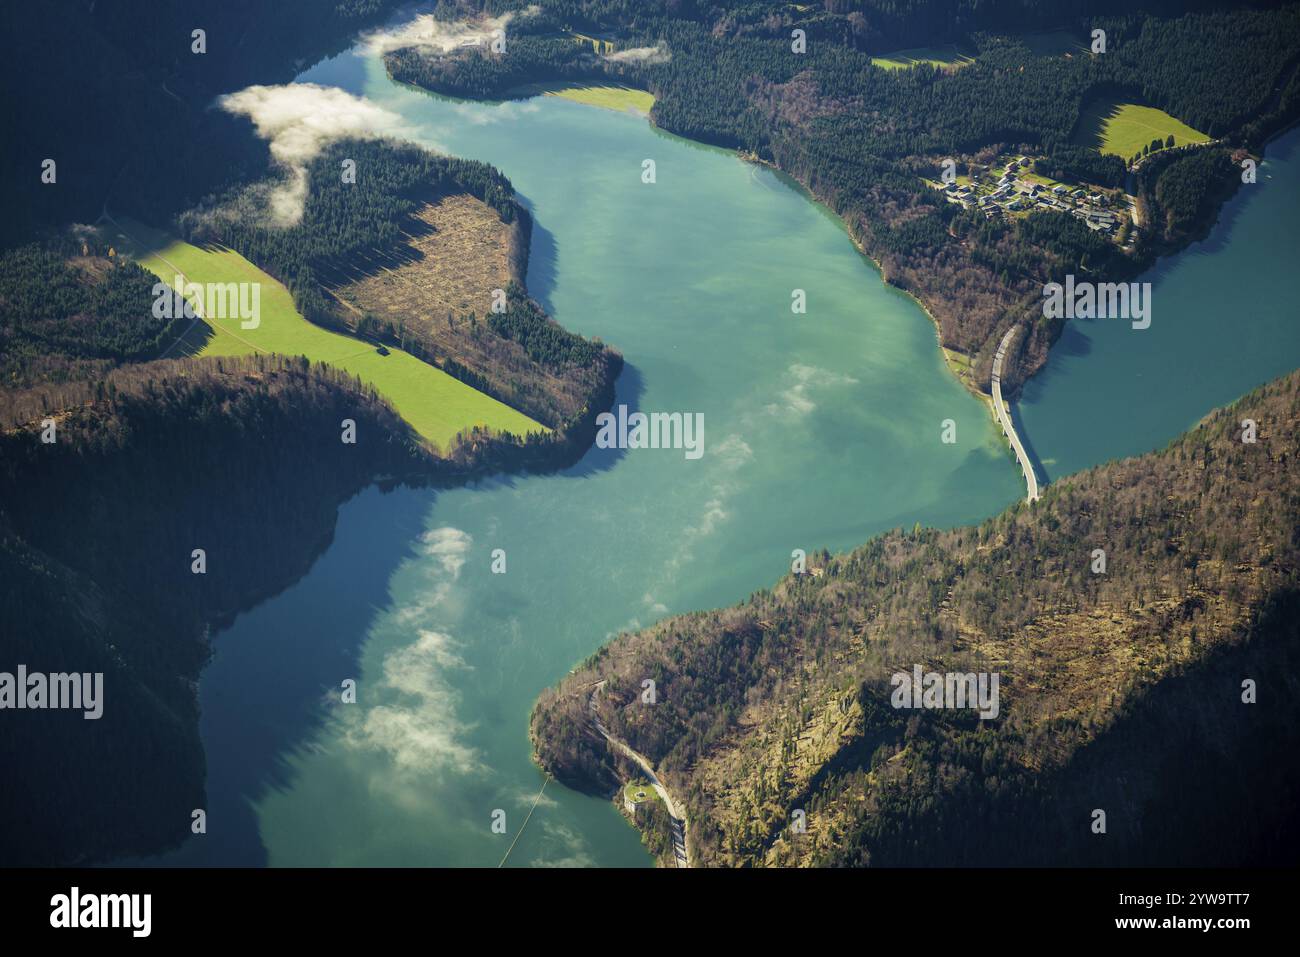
{"points": [[618, 98], [1122, 129], [940, 56], [435, 404]]}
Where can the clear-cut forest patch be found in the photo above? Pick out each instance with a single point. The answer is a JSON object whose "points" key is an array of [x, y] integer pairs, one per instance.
{"points": [[436, 294]]}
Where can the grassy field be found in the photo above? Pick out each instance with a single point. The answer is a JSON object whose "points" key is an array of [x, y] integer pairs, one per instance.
{"points": [[620, 98], [435, 404], [960, 365], [1122, 129], [1040, 179], [640, 790], [942, 56]]}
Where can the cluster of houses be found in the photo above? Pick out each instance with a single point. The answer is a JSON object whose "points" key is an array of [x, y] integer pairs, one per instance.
{"points": [[1014, 193]]}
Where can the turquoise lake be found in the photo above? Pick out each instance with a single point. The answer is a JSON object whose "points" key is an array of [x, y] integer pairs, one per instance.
{"points": [[820, 430]]}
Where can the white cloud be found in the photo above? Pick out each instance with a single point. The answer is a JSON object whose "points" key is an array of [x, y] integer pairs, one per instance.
{"points": [[734, 450], [803, 380], [449, 546], [632, 624], [433, 36], [483, 114], [560, 836], [299, 120], [646, 56], [730, 455], [419, 730], [415, 721]]}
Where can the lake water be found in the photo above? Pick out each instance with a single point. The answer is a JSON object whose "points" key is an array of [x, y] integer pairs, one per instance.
{"points": [[820, 430], [1225, 318]]}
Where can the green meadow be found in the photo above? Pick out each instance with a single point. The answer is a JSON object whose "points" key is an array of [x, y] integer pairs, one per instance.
{"points": [[941, 56], [1031, 177], [619, 98], [435, 404], [1123, 129], [641, 790]]}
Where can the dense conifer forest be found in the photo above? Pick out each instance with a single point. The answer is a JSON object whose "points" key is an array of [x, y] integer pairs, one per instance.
{"points": [[342, 219], [60, 310], [112, 93], [371, 220]]}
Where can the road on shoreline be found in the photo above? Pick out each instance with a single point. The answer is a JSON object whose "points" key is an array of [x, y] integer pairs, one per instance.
{"points": [[1031, 480], [678, 819]]}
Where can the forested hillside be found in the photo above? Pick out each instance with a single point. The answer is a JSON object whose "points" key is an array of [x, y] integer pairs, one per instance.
{"points": [[1121, 689], [1121, 684], [341, 219], [364, 228], [112, 471], [862, 138], [67, 310]]}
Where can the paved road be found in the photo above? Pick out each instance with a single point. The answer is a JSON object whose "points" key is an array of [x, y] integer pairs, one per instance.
{"points": [[1031, 480], [678, 819]]}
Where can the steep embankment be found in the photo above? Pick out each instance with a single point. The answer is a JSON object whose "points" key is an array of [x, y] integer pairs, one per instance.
{"points": [[1121, 690]]}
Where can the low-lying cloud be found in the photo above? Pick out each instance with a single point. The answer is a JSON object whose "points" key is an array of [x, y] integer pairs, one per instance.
{"points": [[430, 35], [414, 718], [418, 728], [299, 120], [645, 56], [449, 546], [804, 380]]}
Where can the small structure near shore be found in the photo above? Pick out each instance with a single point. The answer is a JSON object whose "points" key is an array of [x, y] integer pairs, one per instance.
{"points": [[636, 799]]}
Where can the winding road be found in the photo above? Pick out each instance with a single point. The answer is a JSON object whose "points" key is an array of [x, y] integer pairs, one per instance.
{"points": [[678, 819], [1004, 419]]}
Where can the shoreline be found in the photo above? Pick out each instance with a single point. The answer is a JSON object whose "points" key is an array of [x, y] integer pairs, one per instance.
{"points": [[966, 381]]}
